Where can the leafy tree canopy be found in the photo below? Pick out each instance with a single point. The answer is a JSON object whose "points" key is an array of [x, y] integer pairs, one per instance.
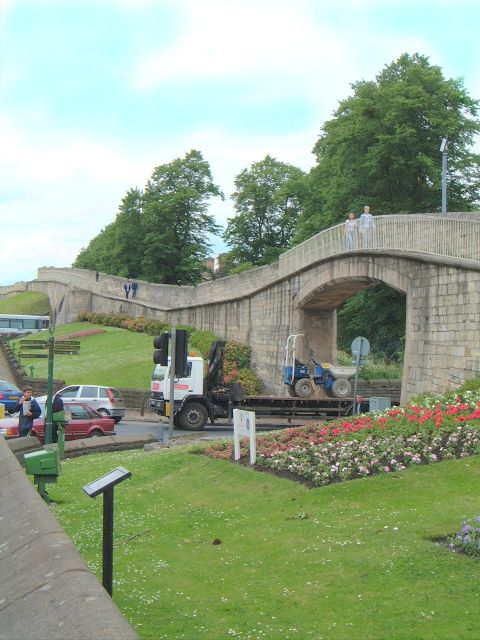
{"points": [[176, 220], [382, 147], [160, 234], [379, 314], [268, 201]]}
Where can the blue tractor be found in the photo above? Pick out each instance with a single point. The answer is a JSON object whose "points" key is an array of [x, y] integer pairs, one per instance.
{"points": [[301, 378]]}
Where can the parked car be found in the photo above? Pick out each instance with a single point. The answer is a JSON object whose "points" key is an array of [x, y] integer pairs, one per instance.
{"points": [[105, 400], [10, 394], [84, 423]]}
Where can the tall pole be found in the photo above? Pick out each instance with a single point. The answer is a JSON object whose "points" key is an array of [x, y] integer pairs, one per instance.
{"points": [[51, 348], [107, 568], [443, 149], [172, 380], [355, 386]]}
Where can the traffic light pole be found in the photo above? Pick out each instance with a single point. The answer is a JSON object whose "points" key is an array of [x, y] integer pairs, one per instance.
{"points": [[172, 381], [49, 419]]}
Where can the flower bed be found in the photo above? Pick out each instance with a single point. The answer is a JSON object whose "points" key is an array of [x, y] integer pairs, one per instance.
{"points": [[80, 334], [467, 540], [368, 444]]}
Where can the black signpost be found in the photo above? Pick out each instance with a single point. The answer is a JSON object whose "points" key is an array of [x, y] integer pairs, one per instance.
{"points": [[105, 485]]}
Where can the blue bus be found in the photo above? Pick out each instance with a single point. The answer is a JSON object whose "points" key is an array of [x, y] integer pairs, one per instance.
{"points": [[16, 324]]}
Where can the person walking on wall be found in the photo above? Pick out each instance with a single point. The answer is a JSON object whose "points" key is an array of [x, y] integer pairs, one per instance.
{"points": [[367, 225], [134, 289], [126, 288], [28, 409], [97, 276], [350, 227]]}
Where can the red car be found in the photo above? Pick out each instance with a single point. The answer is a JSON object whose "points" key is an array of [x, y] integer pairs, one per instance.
{"points": [[85, 423]]}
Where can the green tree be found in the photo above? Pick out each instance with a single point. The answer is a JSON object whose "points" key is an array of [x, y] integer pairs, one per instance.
{"points": [[378, 314], [129, 236], [98, 252], [268, 201], [176, 221], [382, 147], [118, 248]]}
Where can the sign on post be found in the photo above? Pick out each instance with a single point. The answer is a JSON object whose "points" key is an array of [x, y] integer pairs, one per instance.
{"points": [[244, 425], [360, 351]]}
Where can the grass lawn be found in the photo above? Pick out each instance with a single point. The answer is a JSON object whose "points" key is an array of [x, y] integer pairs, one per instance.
{"points": [[115, 357], [349, 560], [26, 303]]}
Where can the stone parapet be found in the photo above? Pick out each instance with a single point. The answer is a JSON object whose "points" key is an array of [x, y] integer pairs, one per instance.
{"points": [[46, 590]]}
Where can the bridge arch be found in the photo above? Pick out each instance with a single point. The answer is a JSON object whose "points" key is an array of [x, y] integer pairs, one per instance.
{"points": [[434, 259]]}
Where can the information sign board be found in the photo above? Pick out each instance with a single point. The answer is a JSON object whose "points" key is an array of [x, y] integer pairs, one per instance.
{"points": [[244, 425]]}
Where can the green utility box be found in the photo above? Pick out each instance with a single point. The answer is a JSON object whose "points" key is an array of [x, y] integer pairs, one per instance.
{"points": [[45, 468], [42, 463]]}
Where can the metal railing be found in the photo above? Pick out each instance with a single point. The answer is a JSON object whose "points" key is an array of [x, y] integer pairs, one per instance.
{"points": [[440, 236]]}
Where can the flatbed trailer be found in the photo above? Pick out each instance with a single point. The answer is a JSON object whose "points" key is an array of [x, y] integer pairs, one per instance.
{"points": [[289, 406], [200, 397]]}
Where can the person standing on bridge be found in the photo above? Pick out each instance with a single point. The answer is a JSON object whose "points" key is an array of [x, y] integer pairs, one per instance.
{"points": [[126, 288], [134, 289], [350, 227], [367, 225]]}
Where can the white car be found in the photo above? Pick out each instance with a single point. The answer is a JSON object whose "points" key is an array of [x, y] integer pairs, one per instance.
{"points": [[107, 401]]}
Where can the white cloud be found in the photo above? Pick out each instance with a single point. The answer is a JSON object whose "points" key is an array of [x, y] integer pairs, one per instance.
{"points": [[65, 193]]}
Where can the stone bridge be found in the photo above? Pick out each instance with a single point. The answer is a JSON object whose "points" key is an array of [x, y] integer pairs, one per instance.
{"points": [[433, 258]]}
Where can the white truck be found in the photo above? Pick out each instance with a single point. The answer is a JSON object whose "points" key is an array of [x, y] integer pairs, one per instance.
{"points": [[202, 395]]}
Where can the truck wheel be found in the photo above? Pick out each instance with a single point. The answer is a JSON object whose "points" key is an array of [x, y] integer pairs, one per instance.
{"points": [[341, 388], [291, 390], [193, 417], [304, 388]]}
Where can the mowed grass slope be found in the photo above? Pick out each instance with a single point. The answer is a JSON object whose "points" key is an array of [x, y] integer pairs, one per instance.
{"points": [[26, 303], [114, 357], [209, 550]]}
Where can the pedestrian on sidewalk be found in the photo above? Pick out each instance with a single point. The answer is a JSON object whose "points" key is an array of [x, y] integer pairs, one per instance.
{"points": [[28, 409]]}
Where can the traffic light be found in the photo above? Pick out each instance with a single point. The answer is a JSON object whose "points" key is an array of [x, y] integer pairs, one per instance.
{"points": [[160, 355], [181, 353]]}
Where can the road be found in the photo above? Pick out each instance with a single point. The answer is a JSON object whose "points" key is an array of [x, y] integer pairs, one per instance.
{"points": [[223, 429]]}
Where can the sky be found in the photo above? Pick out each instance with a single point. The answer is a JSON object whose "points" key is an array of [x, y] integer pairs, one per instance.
{"points": [[94, 94]]}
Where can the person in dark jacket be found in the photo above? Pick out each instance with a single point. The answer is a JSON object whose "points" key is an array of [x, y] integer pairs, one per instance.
{"points": [[57, 408], [29, 410]]}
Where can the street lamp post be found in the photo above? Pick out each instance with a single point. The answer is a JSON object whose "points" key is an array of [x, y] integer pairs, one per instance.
{"points": [[49, 416], [443, 151]]}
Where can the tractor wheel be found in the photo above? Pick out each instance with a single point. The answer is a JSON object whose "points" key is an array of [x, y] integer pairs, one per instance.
{"points": [[193, 417], [291, 390], [304, 388], [341, 388]]}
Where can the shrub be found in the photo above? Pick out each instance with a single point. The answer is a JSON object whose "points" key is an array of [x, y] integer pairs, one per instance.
{"points": [[230, 371], [375, 367], [249, 381], [202, 341], [239, 353], [469, 385], [467, 540]]}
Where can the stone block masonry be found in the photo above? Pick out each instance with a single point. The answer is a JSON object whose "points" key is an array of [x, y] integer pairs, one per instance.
{"points": [[434, 259]]}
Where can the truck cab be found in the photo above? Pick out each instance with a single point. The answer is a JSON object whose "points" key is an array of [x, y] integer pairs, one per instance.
{"points": [[156, 385], [201, 394], [192, 383]]}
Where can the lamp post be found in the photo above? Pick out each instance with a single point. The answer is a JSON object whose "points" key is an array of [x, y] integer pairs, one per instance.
{"points": [[443, 151], [51, 349]]}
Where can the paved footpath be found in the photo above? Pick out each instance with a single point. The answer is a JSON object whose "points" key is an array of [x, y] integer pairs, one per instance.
{"points": [[5, 373]]}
